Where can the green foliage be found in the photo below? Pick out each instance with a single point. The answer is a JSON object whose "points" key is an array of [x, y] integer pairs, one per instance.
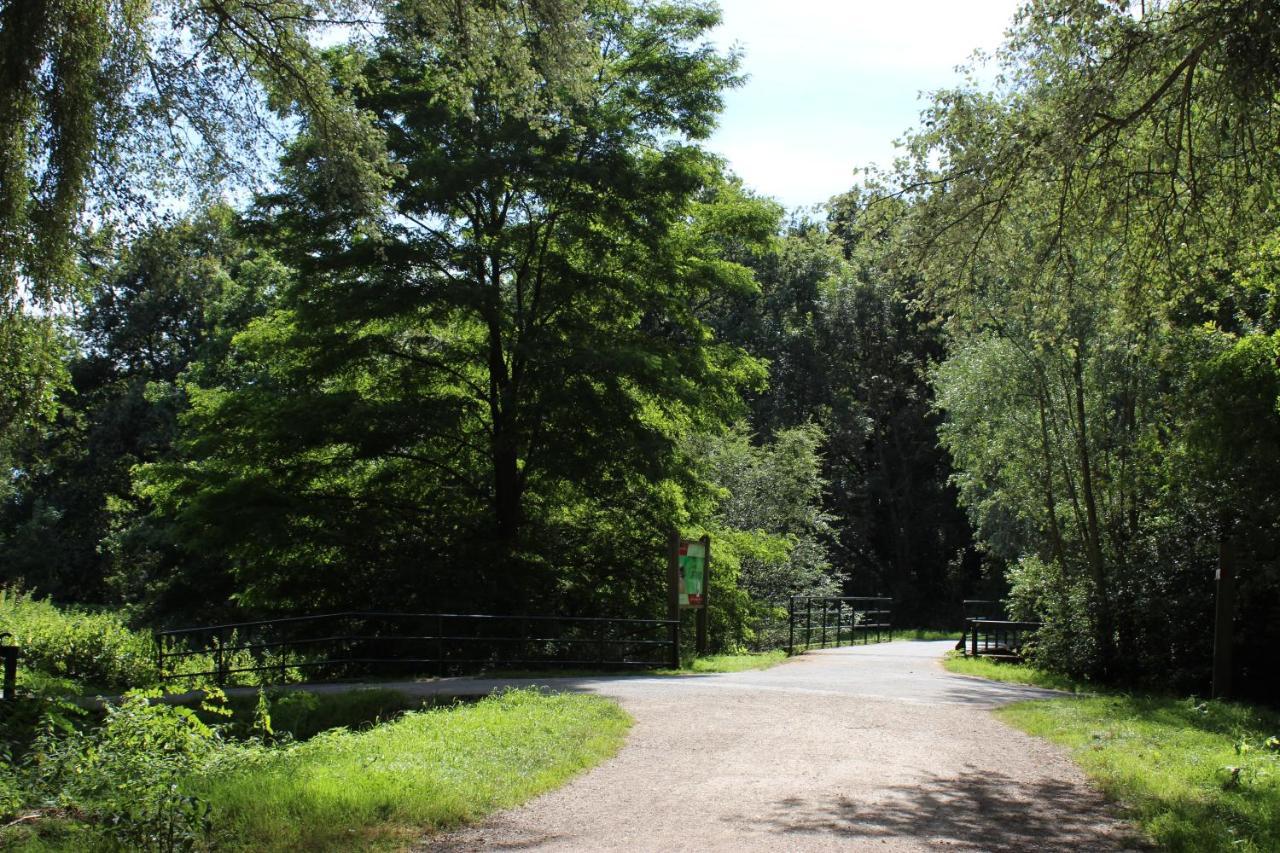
{"points": [[1015, 673], [738, 662], [122, 779], [1102, 255], [300, 715], [1196, 776], [95, 649], [479, 402], [171, 302], [153, 776], [770, 535], [108, 105], [847, 347]]}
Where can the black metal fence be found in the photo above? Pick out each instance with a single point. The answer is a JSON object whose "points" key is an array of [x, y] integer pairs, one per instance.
{"points": [[341, 645], [998, 638], [829, 622]]}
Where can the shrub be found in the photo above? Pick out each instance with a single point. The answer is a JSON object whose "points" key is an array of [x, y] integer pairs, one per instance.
{"points": [[92, 648], [118, 784]]}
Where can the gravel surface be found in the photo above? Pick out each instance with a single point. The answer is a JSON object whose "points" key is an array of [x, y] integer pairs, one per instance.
{"points": [[863, 748]]}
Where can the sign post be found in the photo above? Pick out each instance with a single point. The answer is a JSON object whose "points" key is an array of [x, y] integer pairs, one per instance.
{"points": [[688, 579]]}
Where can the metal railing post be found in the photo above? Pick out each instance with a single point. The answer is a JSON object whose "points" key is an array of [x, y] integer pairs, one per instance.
{"points": [[675, 644], [219, 663], [808, 623], [439, 646], [10, 654], [791, 626]]}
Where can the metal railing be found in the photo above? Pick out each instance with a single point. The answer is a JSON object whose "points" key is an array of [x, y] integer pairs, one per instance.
{"points": [[341, 645], [998, 638], [830, 622]]}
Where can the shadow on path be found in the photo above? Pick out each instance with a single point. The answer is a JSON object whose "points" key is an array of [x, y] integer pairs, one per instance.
{"points": [[976, 810]]}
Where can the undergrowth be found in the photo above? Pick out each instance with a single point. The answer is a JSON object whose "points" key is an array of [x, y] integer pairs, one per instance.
{"points": [[153, 776], [1198, 777]]}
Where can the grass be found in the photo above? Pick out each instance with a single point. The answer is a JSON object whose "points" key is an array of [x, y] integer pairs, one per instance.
{"points": [[1016, 673], [1197, 777], [302, 714], [734, 663], [427, 770], [925, 634], [698, 666]]}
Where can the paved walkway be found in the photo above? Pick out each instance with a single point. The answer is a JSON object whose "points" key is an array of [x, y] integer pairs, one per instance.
{"points": [[863, 748]]}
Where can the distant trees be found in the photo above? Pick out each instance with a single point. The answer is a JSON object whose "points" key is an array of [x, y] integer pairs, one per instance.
{"points": [[848, 352]]}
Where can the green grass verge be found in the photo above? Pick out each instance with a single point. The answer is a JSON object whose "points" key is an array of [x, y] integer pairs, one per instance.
{"points": [[925, 634], [736, 663], [1016, 673], [303, 714], [378, 788], [698, 666], [1198, 777]]}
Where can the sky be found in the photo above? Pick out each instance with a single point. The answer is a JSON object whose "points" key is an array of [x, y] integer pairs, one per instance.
{"points": [[832, 83]]}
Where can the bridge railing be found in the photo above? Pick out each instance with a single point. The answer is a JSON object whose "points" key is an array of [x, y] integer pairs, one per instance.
{"points": [[347, 644], [832, 621], [998, 638]]}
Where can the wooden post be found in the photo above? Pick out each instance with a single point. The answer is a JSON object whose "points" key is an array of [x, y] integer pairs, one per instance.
{"points": [[10, 671], [673, 592], [973, 628], [1224, 613], [700, 626]]}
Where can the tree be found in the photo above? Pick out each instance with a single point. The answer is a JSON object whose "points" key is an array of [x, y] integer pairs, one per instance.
{"points": [[167, 307], [108, 107], [847, 350], [489, 386], [1086, 230]]}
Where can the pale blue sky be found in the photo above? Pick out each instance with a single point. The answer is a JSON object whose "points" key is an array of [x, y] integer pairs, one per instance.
{"points": [[834, 82]]}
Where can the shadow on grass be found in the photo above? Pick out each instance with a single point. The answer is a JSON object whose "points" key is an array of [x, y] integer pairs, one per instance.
{"points": [[983, 810]]}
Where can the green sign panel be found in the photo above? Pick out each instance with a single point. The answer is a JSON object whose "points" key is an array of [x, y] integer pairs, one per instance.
{"points": [[693, 574]]}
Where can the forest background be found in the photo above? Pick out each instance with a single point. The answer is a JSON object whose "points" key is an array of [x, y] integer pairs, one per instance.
{"points": [[441, 306]]}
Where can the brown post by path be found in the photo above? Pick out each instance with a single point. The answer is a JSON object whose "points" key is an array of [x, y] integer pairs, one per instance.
{"points": [[1224, 614], [701, 624], [673, 586]]}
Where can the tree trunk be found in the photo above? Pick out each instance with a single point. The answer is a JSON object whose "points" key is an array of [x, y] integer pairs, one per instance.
{"points": [[1093, 541]]}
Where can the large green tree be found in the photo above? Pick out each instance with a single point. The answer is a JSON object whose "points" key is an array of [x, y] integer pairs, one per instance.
{"points": [[478, 397]]}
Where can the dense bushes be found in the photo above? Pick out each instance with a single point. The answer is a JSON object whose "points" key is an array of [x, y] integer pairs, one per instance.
{"points": [[94, 649]]}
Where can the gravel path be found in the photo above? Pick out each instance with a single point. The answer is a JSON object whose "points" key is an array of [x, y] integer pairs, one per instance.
{"points": [[863, 748]]}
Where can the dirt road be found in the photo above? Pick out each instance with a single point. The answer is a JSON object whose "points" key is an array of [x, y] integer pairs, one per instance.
{"points": [[864, 748]]}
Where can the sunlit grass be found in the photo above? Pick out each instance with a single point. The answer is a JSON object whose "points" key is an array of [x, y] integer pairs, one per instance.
{"points": [[738, 663], [1196, 776], [925, 634], [1015, 673], [427, 770]]}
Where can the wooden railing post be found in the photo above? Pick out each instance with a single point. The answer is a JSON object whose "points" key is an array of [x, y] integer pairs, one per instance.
{"points": [[10, 653]]}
